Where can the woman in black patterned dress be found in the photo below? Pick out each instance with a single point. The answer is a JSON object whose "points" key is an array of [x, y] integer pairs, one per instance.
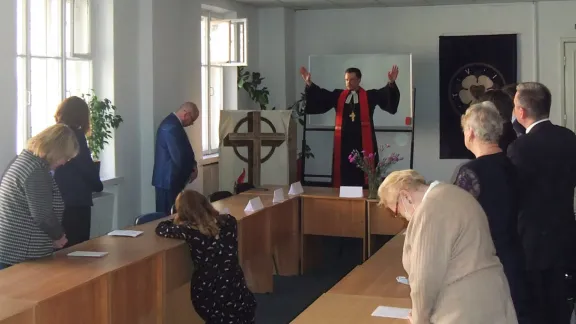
{"points": [[219, 292]]}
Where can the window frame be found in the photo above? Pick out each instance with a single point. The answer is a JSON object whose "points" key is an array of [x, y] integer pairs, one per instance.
{"points": [[241, 48], [24, 126], [208, 66]]}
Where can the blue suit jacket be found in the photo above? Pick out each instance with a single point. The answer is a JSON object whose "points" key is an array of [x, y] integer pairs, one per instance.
{"points": [[174, 158]]}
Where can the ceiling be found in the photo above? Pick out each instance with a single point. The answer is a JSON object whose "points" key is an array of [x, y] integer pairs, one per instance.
{"points": [[325, 4]]}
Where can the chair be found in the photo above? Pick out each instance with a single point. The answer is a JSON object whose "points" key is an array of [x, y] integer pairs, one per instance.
{"points": [[219, 195], [150, 217], [241, 187]]}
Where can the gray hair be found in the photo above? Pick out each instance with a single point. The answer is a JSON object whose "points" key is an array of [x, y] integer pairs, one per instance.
{"points": [[535, 98], [484, 120]]}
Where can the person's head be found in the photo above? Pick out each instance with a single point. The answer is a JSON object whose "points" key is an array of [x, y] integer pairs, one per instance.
{"points": [[532, 103], [56, 144], [352, 76], [188, 113], [194, 209], [74, 113], [510, 89], [503, 102], [482, 125], [402, 192]]}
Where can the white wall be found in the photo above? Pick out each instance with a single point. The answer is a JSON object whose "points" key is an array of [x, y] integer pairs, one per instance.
{"points": [[148, 62], [416, 30], [157, 68], [8, 82]]}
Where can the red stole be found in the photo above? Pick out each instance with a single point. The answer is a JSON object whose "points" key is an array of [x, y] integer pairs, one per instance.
{"points": [[367, 144]]}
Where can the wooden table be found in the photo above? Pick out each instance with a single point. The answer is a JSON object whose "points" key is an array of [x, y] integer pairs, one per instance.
{"points": [[349, 309], [142, 280], [324, 213], [381, 221], [16, 312], [254, 247], [284, 227], [377, 276]]}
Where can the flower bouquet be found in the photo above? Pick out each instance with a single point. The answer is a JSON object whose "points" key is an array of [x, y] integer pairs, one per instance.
{"points": [[374, 170]]}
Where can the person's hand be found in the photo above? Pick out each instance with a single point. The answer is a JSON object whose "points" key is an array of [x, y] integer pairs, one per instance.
{"points": [[60, 242], [193, 176], [393, 74], [306, 75]]}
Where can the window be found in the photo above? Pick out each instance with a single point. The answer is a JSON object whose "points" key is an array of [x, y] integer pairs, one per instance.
{"points": [[223, 43], [53, 59]]}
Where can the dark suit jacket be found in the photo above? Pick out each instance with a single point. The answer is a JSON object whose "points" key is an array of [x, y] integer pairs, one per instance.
{"points": [[546, 163], [80, 177], [174, 158]]}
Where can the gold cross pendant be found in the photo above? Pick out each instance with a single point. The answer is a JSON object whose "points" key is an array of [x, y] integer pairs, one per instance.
{"points": [[352, 115]]}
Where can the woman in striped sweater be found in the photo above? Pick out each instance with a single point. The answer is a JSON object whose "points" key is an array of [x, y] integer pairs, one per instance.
{"points": [[30, 203]]}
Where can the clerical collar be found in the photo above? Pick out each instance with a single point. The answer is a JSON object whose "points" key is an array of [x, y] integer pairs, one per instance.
{"points": [[352, 96]]}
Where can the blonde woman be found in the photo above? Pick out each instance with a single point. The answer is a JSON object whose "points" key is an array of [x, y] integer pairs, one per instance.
{"points": [[30, 203], [454, 274]]}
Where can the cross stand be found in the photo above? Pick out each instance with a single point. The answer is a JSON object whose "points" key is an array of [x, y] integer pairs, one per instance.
{"points": [[254, 140]]}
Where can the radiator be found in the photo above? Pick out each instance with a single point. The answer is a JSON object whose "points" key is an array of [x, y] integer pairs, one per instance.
{"points": [[210, 181], [105, 217]]}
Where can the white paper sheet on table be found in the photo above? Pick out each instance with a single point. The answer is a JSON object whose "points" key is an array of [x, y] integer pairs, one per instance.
{"points": [[351, 192], [125, 233], [278, 196], [254, 204], [391, 312], [295, 189], [90, 254]]}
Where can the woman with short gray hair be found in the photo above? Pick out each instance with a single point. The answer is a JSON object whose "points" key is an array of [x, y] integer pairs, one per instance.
{"points": [[491, 179]]}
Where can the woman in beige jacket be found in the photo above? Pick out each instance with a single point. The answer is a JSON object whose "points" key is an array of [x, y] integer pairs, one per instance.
{"points": [[454, 274]]}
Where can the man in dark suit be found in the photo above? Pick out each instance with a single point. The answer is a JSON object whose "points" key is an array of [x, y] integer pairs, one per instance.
{"points": [[510, 89], [174, 162], [546, 161]]}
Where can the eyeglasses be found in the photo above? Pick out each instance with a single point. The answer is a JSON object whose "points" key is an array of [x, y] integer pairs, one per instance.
{"points": [[396, 209]]}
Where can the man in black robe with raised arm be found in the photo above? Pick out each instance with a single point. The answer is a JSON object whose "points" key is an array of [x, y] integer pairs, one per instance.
{"points": [[354, 127]]}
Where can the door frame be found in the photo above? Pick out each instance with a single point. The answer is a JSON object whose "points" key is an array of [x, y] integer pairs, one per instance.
{"points": [[563, 41]]}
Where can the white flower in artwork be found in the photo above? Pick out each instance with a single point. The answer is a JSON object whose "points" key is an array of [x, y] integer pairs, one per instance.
{"points": [[473, 87]]}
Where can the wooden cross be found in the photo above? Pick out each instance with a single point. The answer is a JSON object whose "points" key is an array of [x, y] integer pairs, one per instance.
{"points": [[352, 115], [254, 139]]}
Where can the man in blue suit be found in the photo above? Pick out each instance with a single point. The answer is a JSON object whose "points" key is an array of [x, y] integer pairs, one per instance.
{"points": [[174, 162]]}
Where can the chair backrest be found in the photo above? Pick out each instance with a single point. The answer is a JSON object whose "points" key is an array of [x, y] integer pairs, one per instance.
{"points": [[243, 187], [150, 217], [219, 195]]}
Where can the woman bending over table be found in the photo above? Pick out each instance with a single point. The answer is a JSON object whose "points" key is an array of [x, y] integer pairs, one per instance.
{"points": [[30, 203], [219, 291], [454, 274]]}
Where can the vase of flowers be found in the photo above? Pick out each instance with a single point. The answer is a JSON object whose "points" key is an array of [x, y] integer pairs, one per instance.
{"points": [[375, 170]]}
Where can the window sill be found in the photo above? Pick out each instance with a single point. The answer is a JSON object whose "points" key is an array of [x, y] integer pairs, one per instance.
{"points": [[112, 181], [210, 159]]}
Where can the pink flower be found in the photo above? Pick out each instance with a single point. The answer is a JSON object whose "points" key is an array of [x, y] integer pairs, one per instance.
{"points": [[371, 155]]}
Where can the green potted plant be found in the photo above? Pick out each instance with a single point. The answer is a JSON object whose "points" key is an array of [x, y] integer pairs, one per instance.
{"points": [[103, 119], [251, 82]]}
